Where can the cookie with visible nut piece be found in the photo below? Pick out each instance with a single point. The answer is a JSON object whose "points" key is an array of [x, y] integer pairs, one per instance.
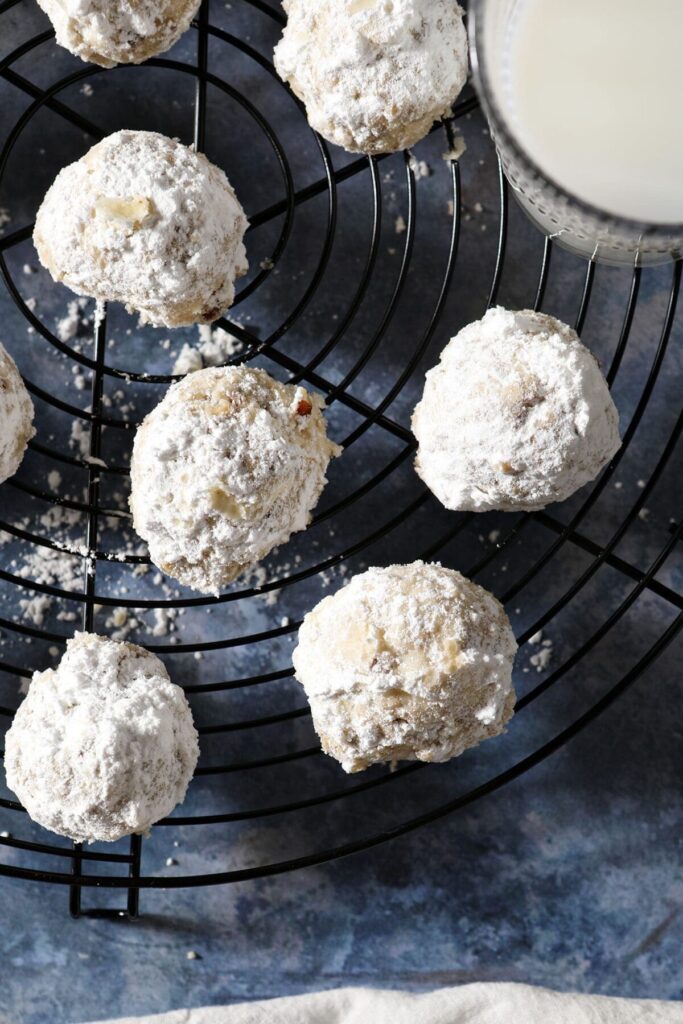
{"points": [[228, 466], [143, 220], [411, 662], [515, 416]]}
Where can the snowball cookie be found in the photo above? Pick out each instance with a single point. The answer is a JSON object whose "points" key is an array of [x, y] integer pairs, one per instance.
{"points": [[16, 416], [103, 745], [143, 220], [109, 32], [516, 415], [374, 75], [413, 662], [228, 466]]}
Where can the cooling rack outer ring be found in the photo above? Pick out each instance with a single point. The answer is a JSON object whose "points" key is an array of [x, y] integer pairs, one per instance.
{"points": [[82, 873]]}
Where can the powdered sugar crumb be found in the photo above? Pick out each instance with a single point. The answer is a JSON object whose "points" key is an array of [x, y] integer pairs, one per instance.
{"points": [[216, 346]]}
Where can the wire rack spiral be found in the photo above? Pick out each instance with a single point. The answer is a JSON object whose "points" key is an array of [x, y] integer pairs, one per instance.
{"points": [[345, 323]]}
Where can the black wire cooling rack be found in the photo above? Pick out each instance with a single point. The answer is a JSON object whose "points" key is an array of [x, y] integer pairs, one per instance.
{"points": [[586, 567]]}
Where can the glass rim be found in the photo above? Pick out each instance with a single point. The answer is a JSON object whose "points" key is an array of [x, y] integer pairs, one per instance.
{"points": [[499, 122]]}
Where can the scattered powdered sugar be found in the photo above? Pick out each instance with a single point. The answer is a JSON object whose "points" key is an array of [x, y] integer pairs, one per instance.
{"points": [[457, 150], [80, 437], [60, 517], [189, 360], [216, 347], [533, 422], [67, 326], [125, 32], [36, 608], [374, 76], [542, 658], [16, 416], [408, 662], [121, 623], [166, 218], [164, 621], [226, 468], [63, 565], [54, 568], [420, 168], [72, 782]]}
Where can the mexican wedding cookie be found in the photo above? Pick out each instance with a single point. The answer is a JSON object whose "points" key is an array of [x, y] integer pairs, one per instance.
{"points": [[103, 746], [374, 75], [16, 417], [143, 220], [109, 32], [516, 415], [413, 662], [226, 468]]}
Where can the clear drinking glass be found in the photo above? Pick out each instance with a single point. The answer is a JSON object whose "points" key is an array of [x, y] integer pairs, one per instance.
{"points": [[573, 223]]}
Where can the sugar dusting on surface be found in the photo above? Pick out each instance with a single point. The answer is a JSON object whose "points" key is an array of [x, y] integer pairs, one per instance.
{"points": [[216, 346]]}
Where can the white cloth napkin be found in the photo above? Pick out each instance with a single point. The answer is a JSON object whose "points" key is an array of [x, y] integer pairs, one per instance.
{"points": [[469, 1004]]}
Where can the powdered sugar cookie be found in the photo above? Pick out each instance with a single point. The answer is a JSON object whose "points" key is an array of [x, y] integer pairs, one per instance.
{"points": [[228, 466], [516, 415], [143, 220], [374, 74], [102, 746], [16, 416], [412, 662], [109, 32]]}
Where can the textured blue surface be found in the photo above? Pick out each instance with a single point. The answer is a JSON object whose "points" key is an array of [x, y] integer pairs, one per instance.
{"points": [[569, 876]]}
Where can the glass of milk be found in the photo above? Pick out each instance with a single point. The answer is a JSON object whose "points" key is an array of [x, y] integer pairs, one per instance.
{"points": [[584, 99]]}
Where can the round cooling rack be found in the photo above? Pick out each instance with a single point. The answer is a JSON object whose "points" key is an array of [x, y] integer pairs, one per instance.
{"points": [[361, 269]]}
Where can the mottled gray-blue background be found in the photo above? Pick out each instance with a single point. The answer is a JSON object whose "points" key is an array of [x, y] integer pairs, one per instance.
{"points": [[569, 876]]}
